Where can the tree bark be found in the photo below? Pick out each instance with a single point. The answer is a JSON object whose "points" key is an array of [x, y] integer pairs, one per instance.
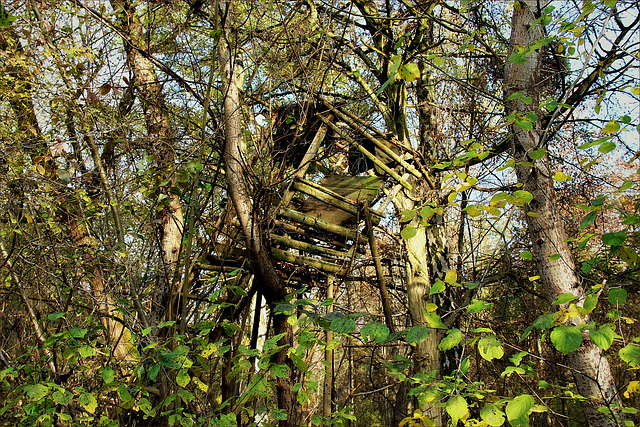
{"points": [[266, 277], [169, 220], [589, 364]]}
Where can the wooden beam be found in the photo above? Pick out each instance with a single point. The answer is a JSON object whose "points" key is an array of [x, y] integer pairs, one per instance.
{"points": [[326, 267], [378, 143], [368, 154], [307, 247], [312, 221]]}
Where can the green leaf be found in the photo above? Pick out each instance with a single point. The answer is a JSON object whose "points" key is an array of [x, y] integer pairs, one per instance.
{"points": [[408, 232], [526, 196], [452, 339], [526, 99], [302, 397], [153, 371], [417, 334], [427, 212], [437, 287], [167, 323], [64, 175], [617, 296], [492, 415], [434, 321], [438, 61], [590, 303], [630, 354], [343, 325], [537, 154], [626, 185], [594, 142], [602, 337], [284, 309], [77, 332], [107, 375], [183, 378], [457, 408], [517, 58], [614, 239], [588, 220], [628, 254], [563, 298], [518, 410], [560, 176], [185, 395], [409, 72], [392, 71], [280, 371], [516, 359], [477, 306], [124, 394], [612, 127], [543, 322], [55, 316], [566, 338], [524, 124], [37, 392], [607, 147], [490, 348], [62, 397], [88, 402], [526, 255], [86, 351], [374, 331]]}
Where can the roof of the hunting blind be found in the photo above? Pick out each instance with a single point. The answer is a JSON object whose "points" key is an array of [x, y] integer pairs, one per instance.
{"points": [[324, 225]]}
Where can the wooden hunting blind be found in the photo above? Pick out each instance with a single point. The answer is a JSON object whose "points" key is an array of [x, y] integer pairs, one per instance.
{"points": [[325, 223]]}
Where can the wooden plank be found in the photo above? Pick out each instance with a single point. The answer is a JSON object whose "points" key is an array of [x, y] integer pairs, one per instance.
{"points": [[306, 261], [312, 221], [307, 247], [332, 192]]}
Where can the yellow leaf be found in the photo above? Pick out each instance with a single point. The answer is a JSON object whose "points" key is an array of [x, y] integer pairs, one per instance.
{"points": [[633, 387], [451, 277], [559, 176], [532, 278]]}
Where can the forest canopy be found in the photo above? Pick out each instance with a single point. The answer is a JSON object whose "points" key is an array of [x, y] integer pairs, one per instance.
{"points": [[319, 212]]}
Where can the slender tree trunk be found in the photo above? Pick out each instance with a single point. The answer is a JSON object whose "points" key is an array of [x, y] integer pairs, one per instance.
{"points": [[328, 358], [267, 279], [546, 228], [169, 220]]}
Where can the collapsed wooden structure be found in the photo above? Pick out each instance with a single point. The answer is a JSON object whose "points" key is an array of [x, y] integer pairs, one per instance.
{"points": [[325, 222]]}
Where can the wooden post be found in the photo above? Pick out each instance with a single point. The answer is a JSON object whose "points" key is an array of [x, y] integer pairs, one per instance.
{"points": [[384, 293], [328, 358]]}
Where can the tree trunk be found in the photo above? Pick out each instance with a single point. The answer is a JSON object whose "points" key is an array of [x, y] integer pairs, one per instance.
{"points": [[591, 368], [169, 220], [266, 277]]}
